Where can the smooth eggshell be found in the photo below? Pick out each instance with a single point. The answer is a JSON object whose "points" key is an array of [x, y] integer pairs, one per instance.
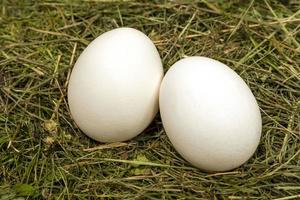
{"points": [[113, 88], [209, 114]]}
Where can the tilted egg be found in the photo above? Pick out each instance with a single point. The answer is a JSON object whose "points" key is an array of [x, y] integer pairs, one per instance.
{"points": [[113, 88], [209, 114]]}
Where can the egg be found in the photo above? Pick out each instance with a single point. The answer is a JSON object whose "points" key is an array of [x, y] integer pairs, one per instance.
{"points": [[113, 88], [209, 114]]}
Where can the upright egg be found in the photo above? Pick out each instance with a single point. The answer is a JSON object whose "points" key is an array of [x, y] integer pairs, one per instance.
{"points": [[209, 114], [114, 86]]}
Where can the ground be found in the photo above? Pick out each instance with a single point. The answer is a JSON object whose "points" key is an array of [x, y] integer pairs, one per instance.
{"points": [[43, 154]]}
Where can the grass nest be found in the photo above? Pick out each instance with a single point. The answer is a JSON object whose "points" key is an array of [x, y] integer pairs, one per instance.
{"points": [[43, 154]]}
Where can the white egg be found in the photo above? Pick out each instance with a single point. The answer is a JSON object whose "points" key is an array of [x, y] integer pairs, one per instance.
{"points": [[209, 114], [114, 86]]}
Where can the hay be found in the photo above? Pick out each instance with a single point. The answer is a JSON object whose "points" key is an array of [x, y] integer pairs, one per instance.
{"points": [[43, 155]]}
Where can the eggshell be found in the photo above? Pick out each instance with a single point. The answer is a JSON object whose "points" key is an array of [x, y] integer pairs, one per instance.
{"points": [[209, 114], [114, 86]]}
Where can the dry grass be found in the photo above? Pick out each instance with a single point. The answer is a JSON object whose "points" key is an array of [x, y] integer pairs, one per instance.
{"points": [[43, 155]]}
